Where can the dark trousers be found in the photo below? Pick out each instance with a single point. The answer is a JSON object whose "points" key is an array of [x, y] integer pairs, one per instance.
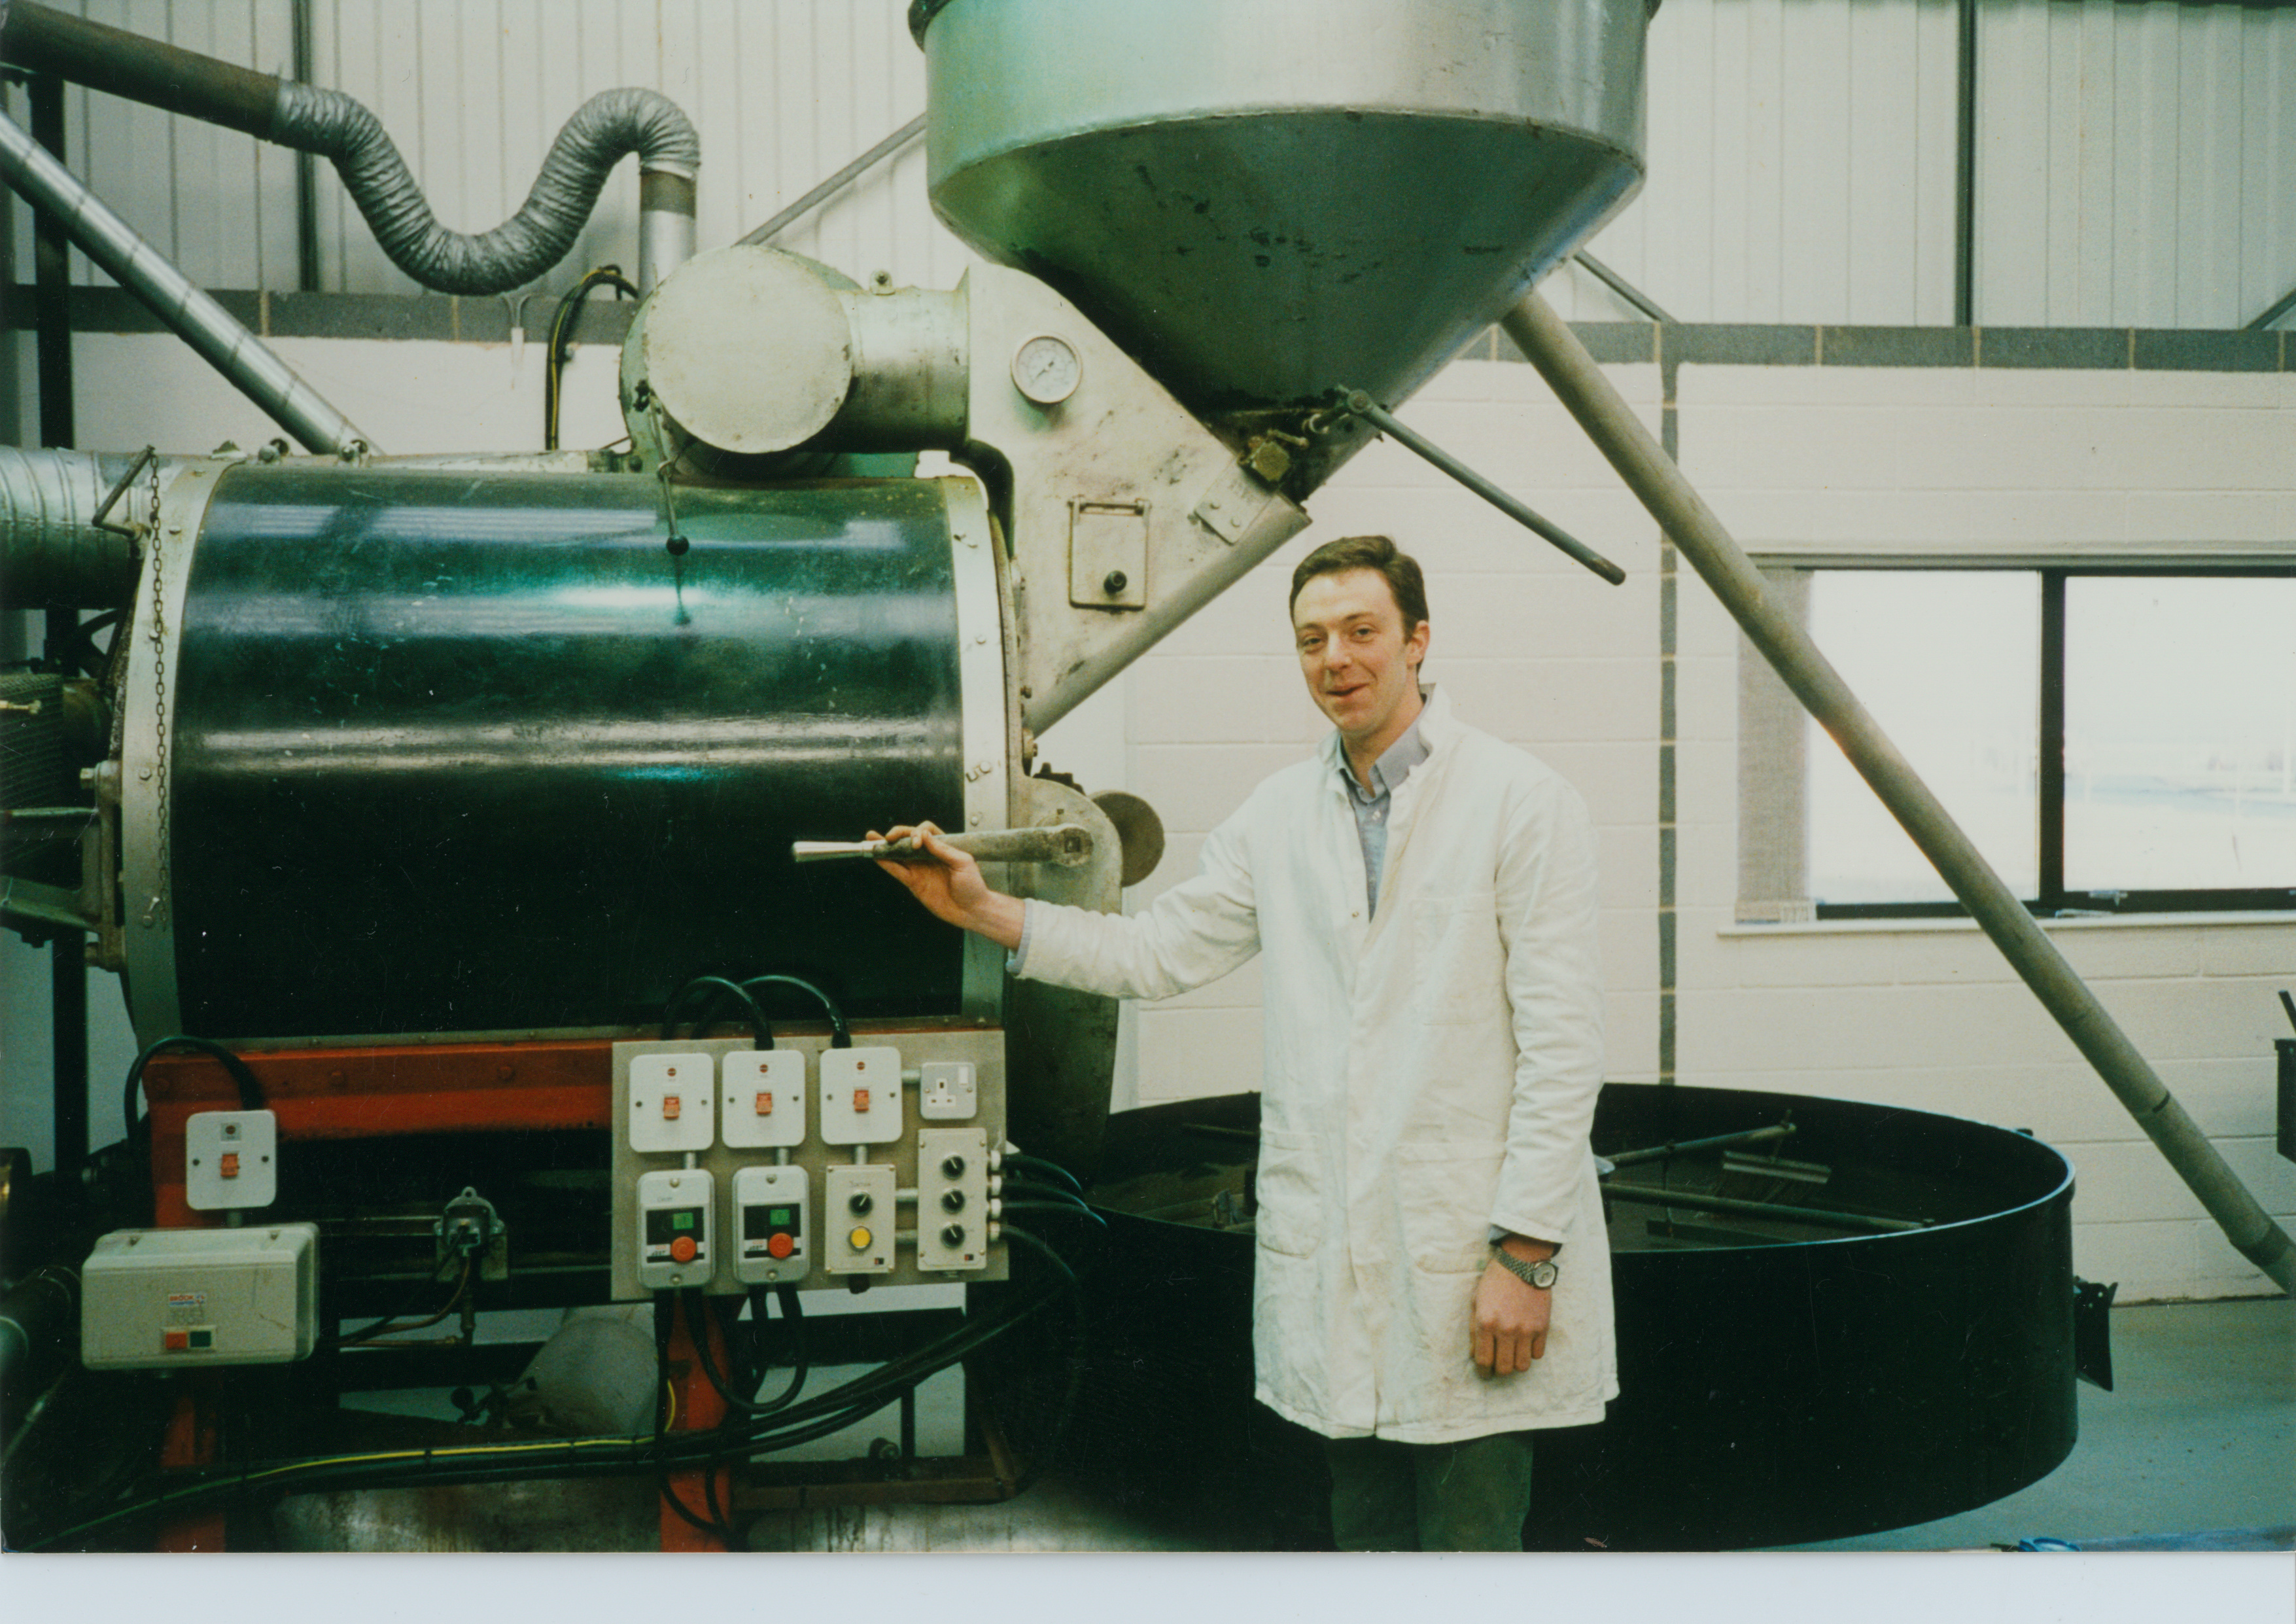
{"points": [[1464, 1497]]}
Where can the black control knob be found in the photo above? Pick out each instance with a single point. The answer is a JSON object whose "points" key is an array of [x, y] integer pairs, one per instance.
{"points": [[952, 1200], [953, 1234], [860, 1201], [952, 1167]]}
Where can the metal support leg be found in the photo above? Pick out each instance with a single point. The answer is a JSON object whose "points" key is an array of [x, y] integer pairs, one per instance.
{"points": [[1619, 435]]}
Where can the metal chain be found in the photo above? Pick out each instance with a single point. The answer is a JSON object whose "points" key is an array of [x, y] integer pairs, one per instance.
{"points": [[158, 635]]}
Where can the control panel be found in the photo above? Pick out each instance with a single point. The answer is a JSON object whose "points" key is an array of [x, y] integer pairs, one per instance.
{"points": [[770, 1230], [804, 1163]]}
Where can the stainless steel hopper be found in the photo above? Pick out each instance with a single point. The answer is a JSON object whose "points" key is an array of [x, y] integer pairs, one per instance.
{"points": [[1261, 201]]}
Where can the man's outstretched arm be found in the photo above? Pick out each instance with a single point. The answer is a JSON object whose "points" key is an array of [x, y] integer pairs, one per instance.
{"points": [[951, 888]]}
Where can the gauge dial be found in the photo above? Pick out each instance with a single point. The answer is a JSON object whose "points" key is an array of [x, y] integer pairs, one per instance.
{"points": [[1046, 369]]}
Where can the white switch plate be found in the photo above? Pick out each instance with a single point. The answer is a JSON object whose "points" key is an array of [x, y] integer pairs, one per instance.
{"points": [[673, 1102], [847, 1077], [761, 1099], [231, 1160]]}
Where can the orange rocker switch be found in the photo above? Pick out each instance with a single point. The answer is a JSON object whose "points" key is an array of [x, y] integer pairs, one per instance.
{"points": [[860, 1099], [231, 1164], [670, 1105], [765, 1104]]}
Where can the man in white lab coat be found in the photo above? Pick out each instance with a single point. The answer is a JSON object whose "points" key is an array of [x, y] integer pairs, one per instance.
{"points": [[1432, 1281]]}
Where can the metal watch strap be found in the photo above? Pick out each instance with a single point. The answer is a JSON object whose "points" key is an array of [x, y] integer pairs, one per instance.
{"points": [[1540, 1274]]}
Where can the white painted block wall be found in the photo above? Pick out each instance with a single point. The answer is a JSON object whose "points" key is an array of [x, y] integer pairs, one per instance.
{"points": [[1957, 464]]}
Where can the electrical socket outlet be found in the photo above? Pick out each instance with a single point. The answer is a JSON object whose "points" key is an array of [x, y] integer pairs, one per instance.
{"points": [[947, 1091]]}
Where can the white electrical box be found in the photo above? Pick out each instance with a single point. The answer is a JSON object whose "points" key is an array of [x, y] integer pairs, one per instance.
{"points": [[858, 1205], [761, 1103], [154, 1297], [674, 1234], [673, 1102], [231, 1160], [947, 1091], [861, 1095], [952, 1199], [771, 1240]]}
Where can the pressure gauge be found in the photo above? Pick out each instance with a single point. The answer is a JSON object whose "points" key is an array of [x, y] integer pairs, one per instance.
{"points": [[1046, 369]]}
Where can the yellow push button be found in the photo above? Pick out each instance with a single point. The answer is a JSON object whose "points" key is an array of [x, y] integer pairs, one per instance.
{"points": [[859, 1240]]}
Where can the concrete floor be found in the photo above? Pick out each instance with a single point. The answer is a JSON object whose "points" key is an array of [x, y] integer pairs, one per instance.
{"points": [[2198, 1438]]}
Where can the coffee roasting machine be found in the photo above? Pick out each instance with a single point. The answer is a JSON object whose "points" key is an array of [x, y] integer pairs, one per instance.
{"points": [[439, 815]]}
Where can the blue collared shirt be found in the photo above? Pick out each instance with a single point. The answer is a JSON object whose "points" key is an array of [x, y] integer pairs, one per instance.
{"points": [[1372, 806]]}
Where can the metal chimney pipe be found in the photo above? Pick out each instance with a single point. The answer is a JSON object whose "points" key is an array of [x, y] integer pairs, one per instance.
{"points": [[218, 336], [1577, 381]]}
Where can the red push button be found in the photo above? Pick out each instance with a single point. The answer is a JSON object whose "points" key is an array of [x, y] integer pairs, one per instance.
{"points": [[781, 1244], [683, 1249]]}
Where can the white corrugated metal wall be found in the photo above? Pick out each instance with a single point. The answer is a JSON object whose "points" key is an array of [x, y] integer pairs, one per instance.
{"points": [[2135, 161]]}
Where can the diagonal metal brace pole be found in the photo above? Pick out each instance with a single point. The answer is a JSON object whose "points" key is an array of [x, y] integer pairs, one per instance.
{"points": [[1388, 423], [1577, 381]]}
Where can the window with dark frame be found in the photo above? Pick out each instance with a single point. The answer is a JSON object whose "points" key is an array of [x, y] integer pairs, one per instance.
{"points": [[2116, 739]]}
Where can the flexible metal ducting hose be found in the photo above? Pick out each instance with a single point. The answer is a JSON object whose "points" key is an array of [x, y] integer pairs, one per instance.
{"points": [[603, 129], [333, 125]]}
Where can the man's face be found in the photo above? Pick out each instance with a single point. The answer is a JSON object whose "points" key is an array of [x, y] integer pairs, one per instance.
{"points": [[1362, 671]]}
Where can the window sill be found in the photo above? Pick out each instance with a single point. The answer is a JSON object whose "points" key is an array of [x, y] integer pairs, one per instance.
{"points": [[2103, 922]]}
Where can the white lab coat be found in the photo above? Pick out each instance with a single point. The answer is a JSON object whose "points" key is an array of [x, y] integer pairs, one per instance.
{"points": [[1430, 1072]]}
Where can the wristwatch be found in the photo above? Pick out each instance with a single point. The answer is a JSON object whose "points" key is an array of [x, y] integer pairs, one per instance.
{"points": [[1541, 1274]]}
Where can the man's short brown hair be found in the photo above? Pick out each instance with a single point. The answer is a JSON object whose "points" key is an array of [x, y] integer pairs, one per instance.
{"points": [[1378, 553]]}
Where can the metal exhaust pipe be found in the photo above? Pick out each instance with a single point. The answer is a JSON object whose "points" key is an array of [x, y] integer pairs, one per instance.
{"points": [[227, 346], [1577, 381]]}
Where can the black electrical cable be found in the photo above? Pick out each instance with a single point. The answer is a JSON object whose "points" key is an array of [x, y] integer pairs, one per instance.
{"points": [[1070, 1209], [840, 1034], [250, 1091], [561, 327], [657, 1453], [761, 1032], [697, 1322], [1024, 1196], [1039, 1164], [1074, 1385], [793, 1319], [665, 1321], [388, 1322]]}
